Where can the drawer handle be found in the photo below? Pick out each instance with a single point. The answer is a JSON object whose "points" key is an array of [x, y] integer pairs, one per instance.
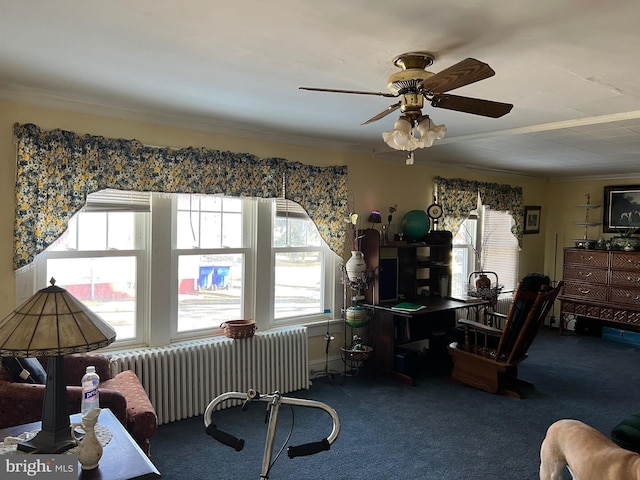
{"points": [[584, 292], [632, 262], [589, 258], [586, 275]]}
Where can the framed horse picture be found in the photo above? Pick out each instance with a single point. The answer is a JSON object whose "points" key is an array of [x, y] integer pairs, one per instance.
{"points": [[621, 208]]}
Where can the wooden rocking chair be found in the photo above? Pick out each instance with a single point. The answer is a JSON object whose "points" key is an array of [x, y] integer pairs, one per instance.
{"points": [[488, 357]]}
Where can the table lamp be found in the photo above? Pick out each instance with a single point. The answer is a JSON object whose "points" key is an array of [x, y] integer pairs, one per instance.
{"points": [[375, 217], [53, 323]]}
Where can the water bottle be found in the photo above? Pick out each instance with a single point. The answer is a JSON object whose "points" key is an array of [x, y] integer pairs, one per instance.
{"points": [[90, 392]]}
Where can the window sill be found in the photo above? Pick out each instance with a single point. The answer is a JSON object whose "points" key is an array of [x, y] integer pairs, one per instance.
{"points": [[319, 327]]}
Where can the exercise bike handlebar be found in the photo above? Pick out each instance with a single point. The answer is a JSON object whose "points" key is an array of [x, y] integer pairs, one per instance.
{"points": [[252, 396]]}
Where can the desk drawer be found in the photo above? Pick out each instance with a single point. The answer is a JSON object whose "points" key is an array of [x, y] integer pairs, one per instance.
{"points": [[592, 258], [585, 291], [586, 274], [625, 261]]}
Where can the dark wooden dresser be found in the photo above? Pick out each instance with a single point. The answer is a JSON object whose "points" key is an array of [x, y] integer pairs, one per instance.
{"points": [[601, 284]]}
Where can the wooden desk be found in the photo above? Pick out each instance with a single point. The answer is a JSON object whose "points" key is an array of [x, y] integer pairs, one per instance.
{"points": [[390, 329], [122, 458]]}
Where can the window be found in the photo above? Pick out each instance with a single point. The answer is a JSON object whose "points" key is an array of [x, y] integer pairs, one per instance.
{"points": [[299, 260], [500, 250], [464, 258], [184, 264], [211, 261], [102, 260], [485, 242]]}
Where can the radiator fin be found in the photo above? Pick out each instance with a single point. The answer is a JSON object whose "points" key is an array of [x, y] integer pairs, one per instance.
{"points": [[182, 379]]}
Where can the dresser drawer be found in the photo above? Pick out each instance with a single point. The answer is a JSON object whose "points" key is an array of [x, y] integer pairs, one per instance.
{"points": [[625, 296], [585, 274], [591, 258], [628, 279], [585, 291], [625, 261]]}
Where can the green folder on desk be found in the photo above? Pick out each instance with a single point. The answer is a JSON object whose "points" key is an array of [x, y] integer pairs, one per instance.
{"points": [[408, 307]]}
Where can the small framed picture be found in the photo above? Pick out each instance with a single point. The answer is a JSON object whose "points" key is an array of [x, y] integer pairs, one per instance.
{"points": [[532, 219]]}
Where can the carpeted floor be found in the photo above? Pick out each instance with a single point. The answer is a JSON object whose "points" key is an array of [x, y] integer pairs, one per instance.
{"points": [[435, 430]]}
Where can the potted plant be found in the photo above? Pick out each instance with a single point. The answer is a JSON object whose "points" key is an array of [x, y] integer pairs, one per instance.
{"points": [[626, 239], [482, 280]]}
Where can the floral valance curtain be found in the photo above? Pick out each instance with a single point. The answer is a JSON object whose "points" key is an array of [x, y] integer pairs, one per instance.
{"points": [[57, 169], [459, 196], [505, 198]]}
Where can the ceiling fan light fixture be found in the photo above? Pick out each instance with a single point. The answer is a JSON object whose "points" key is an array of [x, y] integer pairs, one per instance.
{"points": [[400, 138], [429, 132]]}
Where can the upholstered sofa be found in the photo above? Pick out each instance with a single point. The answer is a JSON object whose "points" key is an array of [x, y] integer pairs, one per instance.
{"points": [[123, 395]]}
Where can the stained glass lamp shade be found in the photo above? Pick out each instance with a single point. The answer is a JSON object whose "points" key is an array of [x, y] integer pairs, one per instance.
{"points": [[53, 323]]}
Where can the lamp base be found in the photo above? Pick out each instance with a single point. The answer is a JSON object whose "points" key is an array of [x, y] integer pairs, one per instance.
{"points": [[55, 435], [48, 442]]}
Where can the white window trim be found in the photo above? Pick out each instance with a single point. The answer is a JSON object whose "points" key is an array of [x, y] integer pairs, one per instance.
{"points": [[157, 260]]}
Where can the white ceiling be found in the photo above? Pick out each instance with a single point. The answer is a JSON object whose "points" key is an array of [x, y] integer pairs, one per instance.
{"points": [[570, 68]]}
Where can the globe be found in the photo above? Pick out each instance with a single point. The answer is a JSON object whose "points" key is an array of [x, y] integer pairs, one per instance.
{"points": [[415, 225]]}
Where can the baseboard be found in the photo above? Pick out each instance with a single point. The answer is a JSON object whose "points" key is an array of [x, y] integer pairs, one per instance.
{"points": [[333, 364]]}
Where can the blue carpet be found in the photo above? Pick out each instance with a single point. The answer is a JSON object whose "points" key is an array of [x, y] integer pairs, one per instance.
{"points": [[435, 430]]}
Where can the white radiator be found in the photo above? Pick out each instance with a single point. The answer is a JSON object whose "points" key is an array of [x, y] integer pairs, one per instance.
{"points": [[504, 302], [182, 379]]}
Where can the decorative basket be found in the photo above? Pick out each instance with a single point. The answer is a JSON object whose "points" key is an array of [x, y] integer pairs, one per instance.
{"points": [[239, 328], [357, 356]]}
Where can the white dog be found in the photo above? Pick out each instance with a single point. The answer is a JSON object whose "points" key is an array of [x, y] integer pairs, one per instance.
{"points": [[588, 454]]}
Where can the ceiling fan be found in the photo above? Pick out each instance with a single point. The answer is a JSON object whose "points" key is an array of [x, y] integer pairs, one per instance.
{"points": [[413, 84]]}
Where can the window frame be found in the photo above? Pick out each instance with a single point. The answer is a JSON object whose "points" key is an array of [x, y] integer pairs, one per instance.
{"points": [[246, 305], [474, 252], [469, 254], [283, 208], [141, 253], [156, 314]]}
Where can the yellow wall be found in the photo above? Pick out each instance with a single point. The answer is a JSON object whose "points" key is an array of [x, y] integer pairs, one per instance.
{"points": [[564, 198], [375, 183]]}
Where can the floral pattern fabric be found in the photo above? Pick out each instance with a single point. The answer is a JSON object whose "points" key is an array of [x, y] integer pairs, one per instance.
{"points": [[57, 169], [505, 198], [459, 196]]}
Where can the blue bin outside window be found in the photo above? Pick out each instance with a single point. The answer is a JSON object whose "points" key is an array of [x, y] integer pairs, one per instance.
{"points": [[213, 277]]}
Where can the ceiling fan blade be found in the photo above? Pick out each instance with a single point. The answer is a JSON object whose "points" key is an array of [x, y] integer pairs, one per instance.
{"points": [[476, 106], [462, 73], [357, 92], [383, 113]]}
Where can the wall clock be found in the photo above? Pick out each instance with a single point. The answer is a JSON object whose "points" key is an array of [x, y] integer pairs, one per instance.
{"points": [[434, 211]]}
